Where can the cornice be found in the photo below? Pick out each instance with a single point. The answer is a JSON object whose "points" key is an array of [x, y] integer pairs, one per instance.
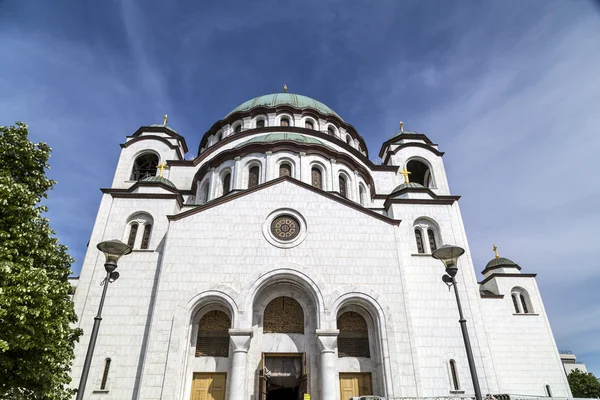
{"points": [[486, 270], [129, 192], [164, 130], [412, 144], [491, 296], [408, 136], [497, 275], [435, 199], [230, 197], [153, 137]]}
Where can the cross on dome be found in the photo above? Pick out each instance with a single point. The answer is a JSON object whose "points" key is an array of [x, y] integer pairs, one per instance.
{"points": [[496, 251]]}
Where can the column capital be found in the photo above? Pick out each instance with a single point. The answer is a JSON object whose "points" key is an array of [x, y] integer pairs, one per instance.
{"points": [[327, 339], [268, 152], [212, 169], [333, 161], [240, 339], [302, 153]]}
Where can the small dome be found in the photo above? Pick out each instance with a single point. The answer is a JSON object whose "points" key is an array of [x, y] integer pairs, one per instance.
{"points": [[164, 126], [501, 261], [159, 179], [400, 133], [409, 185], [275, 137], [289, 99]]}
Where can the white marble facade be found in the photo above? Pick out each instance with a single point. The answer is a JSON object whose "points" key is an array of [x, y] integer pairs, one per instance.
{"points": [[209, 251]]}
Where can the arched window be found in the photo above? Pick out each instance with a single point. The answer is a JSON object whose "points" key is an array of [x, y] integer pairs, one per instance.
{"points": [[316, 178], [361, 194], [218, 137], [203, 194], [105, 374], [144, 166], [132, 234], [309, 125], [146, 236], [283, 315], [548, 391], [419, 239], [524, 304], [284, 122], [342, 183], [213, 335], [419, 173], [238, 128], [432, 244], [349, 139], [454, 375], [260, 123], [515, 303], [253, 173], [353, 339], [285, 169], [226, 183], [331, 131]]}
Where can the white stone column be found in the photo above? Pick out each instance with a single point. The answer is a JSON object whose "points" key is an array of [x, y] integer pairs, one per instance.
{"points": [[268, 167], [240, 339], [328, 345], [334, 187], [213, 185], [300, 174], [237, 174]]}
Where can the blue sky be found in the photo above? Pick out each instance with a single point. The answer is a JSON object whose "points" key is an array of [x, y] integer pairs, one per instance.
{"points": [[509, 89]]}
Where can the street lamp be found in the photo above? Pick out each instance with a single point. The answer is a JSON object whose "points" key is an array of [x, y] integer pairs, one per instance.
{"points": [[449, 255], [113, 250]]}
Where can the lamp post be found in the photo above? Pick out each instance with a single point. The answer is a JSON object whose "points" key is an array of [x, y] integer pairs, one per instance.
{"points": [[448, 255], [113, 250]]}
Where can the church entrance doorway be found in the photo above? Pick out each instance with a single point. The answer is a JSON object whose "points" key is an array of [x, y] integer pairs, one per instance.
{"points": [[355, 385], [283, 376]]}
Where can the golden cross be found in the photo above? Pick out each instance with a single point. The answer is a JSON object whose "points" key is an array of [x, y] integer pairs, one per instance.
{"points": [[165, 118], [401, 127], [162, 167], [284, 88], [496, 251], [405, 174]]}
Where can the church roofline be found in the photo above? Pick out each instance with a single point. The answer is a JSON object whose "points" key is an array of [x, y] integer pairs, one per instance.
{"points": [[162, 129], [409, 136], [235, 195], [497, 275], [487, 269], [153, 137], [412, 144], [129, 192]]}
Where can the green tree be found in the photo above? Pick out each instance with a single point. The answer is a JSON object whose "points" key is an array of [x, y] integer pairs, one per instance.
{"points": [[583, 384], [36, 337]]}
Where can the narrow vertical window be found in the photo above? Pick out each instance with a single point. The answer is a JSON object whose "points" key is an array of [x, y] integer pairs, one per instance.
{"points": [[432, 244], [349, 139], [419, 239], [454, 374], [524, 304], [309, 125], [237, 129], [226, 183], [285, 170], [342, 181], [260, 123], [515, 303], [253, 176], [132, 234], [284, 122], [317, 178], [361, 195], [548, 391], [146, 237], [331, 131], [105, 374], [144, 166]]}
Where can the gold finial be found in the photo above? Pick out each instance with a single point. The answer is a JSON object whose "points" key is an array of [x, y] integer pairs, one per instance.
{"points": [[284, 88], [162, 167], [165, 118], [401, 127], [496, 251], [405, 174]]}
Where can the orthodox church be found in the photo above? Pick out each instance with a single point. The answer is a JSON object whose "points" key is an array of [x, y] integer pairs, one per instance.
{"points": [[281, 263]]}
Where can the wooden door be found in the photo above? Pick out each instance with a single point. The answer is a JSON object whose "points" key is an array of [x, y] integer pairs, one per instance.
{"points": [[208, 386], [355, 385]]}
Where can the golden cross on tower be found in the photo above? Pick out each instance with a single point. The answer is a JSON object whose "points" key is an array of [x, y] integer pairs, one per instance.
{"points": [[496, 251], [162, 167], [284, 88], [401, 127], [165, 118], [405, 174]]}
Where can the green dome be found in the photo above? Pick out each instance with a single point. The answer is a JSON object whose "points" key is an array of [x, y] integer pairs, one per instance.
{"points": [[164, 126], [275, 137], [288, 99], [501, 261], [409, 185], [400, 133], [158, 179]]}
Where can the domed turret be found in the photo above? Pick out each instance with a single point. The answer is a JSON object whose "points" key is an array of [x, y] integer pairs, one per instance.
{"points": [[158, 179], [500, 265]]}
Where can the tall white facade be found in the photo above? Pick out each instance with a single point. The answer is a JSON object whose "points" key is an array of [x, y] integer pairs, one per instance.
{"points": [[281, 261]]}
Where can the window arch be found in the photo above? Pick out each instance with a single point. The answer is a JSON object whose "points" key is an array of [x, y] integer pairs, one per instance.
{"points": [[284, 121], [285, 169], [419, 239], [146, 236], [419, 173], [361, 194], [521, 301], [260, 123], [144, 166], [104, 380], [140, 229], [283, 315], [316, 177], [331, 131], [238, 128], [226, 183], [343, 185], [253, 176], [213, 335], [133, 228], [454, 375], [515, 301], [308, 124], [524, 304], [353, 339], [432, 242], [349, 139]]}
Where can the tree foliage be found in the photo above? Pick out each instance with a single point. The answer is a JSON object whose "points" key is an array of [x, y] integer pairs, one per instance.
{"points": [[583, 384], [36, 337]]}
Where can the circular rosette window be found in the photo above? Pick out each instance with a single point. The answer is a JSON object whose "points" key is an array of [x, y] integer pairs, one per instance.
{"points": [[284, 228]]}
